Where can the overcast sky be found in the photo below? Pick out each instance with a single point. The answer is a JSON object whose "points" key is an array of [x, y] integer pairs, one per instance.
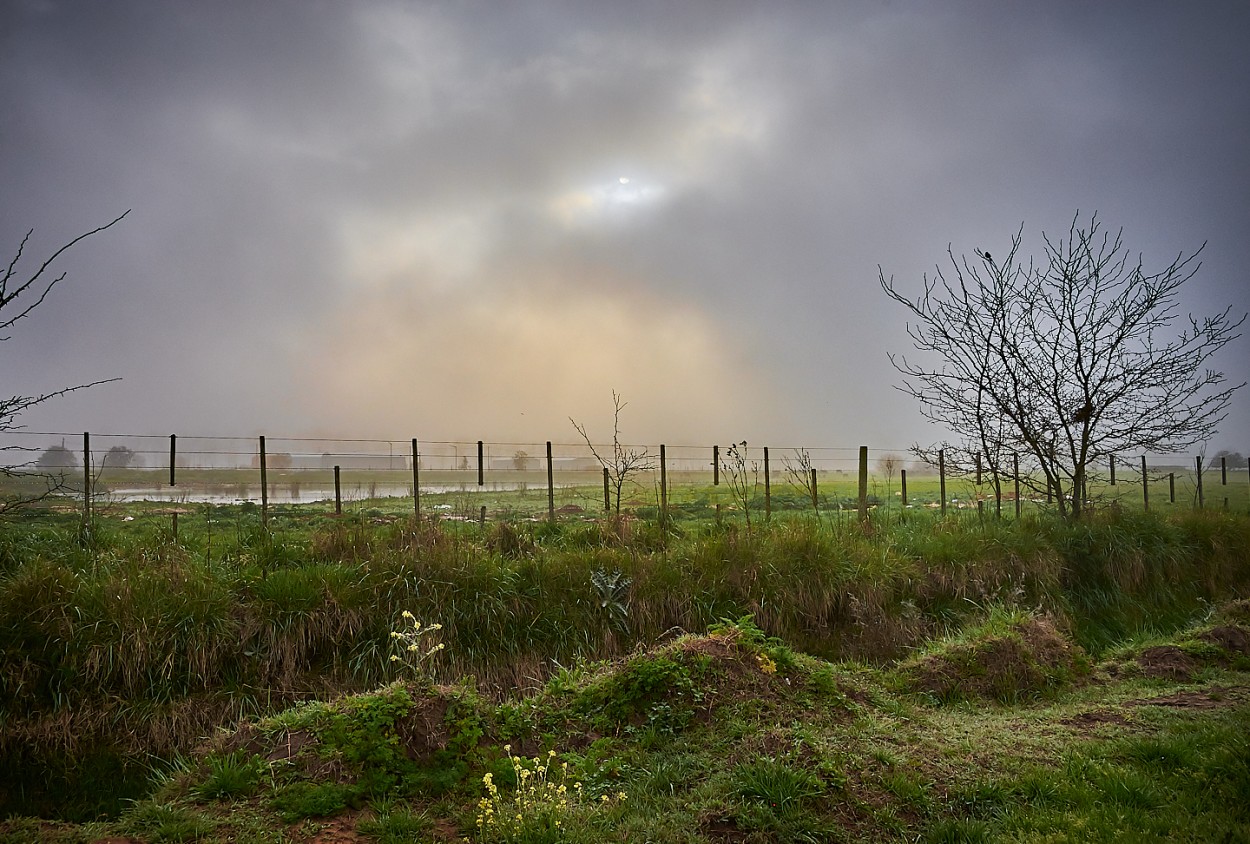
{"points": [[475, 220]]}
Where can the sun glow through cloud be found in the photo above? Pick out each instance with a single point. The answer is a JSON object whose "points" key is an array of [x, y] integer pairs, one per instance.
{"points": [[606, 202], [447, 365]]}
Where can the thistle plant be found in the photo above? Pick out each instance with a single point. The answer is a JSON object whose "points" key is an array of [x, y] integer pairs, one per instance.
{"points": [[416, 647], [612, 592]]}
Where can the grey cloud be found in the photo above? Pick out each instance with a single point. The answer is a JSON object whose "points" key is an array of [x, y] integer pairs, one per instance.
{"points": [[801, 145]]}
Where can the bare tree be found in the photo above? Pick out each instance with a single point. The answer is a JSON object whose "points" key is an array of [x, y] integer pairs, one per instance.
{"points": [[744, 478], [890, 463], [32, 290], [625, 462], [801, 475], [1060, 364]]}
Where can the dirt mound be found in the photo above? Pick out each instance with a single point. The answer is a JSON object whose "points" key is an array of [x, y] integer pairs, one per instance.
{"points": [[1167, 662], [1028, 658], [1229, 638], [409, 720]]}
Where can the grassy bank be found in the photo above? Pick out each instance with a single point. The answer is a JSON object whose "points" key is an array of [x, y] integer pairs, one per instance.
{"points": [[122, 648], [735, 736]]}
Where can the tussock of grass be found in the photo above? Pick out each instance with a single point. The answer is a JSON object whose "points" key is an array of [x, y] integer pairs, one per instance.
{"points": [[1010, 656]]}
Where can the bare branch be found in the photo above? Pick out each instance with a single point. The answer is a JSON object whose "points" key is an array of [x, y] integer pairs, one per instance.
{"points": [[19, 477], [7, 296]]}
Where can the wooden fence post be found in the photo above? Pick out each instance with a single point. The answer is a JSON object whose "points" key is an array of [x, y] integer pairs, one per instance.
{"points": [[173, 455], [768, 489], [338, 494], [607, 498], [980, 501], [1015, 471], [416, 481], [1145, 486], [863, 483], [663, 485], [815, 493], [551, 488], [481, 475], [942, 478], [1198, 464], [1113, 470], [715, 465], [902, 473], [86, 479], [264, 486], [1171, 487]]}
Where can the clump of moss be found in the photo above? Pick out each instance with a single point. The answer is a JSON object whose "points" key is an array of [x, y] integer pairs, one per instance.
{"points": [[1011, 656]]}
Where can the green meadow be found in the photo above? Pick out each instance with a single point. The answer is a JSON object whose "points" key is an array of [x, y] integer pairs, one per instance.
{"points": [[670, 675]]}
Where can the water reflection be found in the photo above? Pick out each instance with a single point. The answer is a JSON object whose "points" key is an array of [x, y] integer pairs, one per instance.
{"points": [[295, 493]]}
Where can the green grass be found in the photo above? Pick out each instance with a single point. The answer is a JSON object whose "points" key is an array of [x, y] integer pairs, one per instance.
{"points": [[1186, 782], [395, 824], [232, 775], [788, 748], [166, 822], [133, 646]]}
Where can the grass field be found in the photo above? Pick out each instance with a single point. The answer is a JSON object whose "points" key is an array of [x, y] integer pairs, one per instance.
{"points": [[123, 647]]}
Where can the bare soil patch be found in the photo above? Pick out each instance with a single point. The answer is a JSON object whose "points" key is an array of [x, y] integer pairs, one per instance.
{"points": [[340, 829], [1212, 697]]}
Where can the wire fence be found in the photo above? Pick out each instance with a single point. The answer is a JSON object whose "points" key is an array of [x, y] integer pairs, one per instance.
{"points": [[473, 479]]}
